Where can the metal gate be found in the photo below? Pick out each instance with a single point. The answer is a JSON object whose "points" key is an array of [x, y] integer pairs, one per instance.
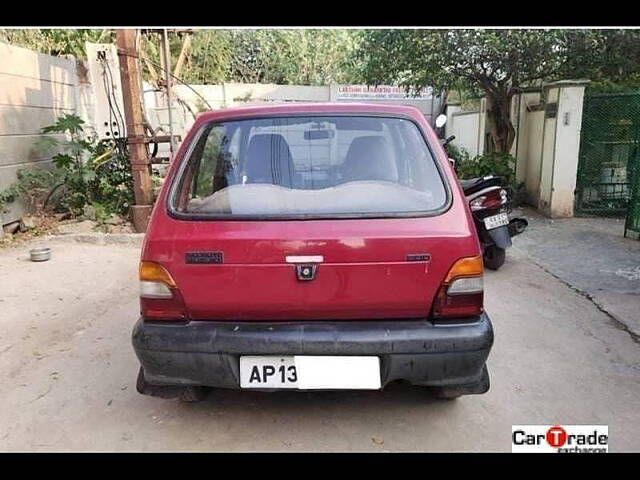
{"points": [[632, 224], [608, 168]]}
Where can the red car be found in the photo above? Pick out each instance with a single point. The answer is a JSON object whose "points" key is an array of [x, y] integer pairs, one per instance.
{"points": [[311, 246]]}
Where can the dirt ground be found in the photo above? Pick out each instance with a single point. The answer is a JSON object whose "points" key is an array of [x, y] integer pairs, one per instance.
{"points": [[68, 373]]}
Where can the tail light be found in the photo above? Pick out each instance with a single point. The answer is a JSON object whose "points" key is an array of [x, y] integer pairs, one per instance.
{"points": [[160, 298], [462, 292], [490, 200]]}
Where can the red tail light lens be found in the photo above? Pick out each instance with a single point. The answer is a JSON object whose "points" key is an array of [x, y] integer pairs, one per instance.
{"points": [[490, 200], [461, 294], [160, 298], [163, 309]]}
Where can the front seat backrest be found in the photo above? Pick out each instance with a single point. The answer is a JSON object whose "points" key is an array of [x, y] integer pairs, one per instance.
{"points": [[269, 160], [369, 158]]}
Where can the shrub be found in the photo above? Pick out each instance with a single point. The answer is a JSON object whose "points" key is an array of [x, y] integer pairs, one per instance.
{"points": [[96, 172], [33, 186], [500, 164], [88, 172], [459, 154]]}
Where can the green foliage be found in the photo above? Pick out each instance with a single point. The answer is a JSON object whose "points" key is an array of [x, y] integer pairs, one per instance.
{"points": [[33, 186], [498, 63], [495, 62], [609, 58], [458, 154], [629, 83], [200, 105], [56, 41], [67, 123], [216, 56], [500, 164], [208, 58], [486, 60], [87, 171], [301, 56], [304, 57], [95, 172]]}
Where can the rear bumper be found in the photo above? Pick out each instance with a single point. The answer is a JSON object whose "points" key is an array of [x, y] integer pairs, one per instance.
{"points": [[207, 353]]}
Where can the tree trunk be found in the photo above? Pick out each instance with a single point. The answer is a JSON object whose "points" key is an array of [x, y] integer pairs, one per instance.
{"points": [[501, 128]]}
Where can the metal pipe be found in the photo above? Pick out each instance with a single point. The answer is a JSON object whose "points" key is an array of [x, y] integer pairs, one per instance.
{"points": [[167, 76], [515, 167]]}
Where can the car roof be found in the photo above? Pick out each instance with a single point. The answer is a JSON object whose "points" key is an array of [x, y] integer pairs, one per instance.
{"points": [[310, 108]]}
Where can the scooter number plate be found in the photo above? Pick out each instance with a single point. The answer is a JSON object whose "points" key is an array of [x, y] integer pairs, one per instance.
{"points": [[496, 221]]}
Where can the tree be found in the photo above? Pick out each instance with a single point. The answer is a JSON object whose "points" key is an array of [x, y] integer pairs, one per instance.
{"points": [[308, 57], [56, 41], [609, 58], [497, 63], [303, 57]]}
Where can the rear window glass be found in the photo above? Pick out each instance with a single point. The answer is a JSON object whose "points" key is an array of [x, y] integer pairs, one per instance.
{"points": [[284, 166]]}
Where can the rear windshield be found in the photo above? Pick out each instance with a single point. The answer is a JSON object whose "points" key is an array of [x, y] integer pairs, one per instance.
{"points": [[310, 166]]}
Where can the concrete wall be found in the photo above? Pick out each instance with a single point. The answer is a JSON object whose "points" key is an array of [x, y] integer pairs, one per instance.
{"points": [[567, 149], [188, 102], [34, 90], [231, 95], [466, 128], [548, 124], [425, 101], [530, 157], [482, 126], [548, 151], [528, 117], [237, 94], [469, 127], [549, 145]]}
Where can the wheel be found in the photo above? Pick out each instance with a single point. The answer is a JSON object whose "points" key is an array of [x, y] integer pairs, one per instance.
{"points": [[141, 383], [494, 257], [193, 394], [520, 225], [161, 391], [444, 394], [189, 394], [454, 391]]}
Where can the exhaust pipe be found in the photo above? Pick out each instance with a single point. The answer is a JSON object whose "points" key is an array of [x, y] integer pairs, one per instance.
{"points": [[517, 226]]}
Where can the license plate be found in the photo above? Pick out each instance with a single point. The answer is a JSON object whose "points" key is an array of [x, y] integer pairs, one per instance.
{"points": [[308, 372], [496, 221]]}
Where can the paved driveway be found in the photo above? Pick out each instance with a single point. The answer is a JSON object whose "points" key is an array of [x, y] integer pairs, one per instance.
{"points": [[68, 373], [591, 255]]}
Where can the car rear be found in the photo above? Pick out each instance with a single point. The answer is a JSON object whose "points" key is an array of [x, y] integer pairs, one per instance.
{"points": [[312, 247]]}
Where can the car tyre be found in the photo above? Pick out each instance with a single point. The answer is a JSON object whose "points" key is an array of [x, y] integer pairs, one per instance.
{"points": [[454, 391], [494, 257], [444, 394], [193, 394]]}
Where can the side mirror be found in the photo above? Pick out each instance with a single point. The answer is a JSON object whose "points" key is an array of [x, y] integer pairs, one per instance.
{"points": [[448, 140], [441, 120]]}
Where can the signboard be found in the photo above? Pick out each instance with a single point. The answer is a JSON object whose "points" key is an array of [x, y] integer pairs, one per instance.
{"points": [[381, 92]]}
